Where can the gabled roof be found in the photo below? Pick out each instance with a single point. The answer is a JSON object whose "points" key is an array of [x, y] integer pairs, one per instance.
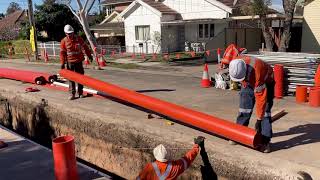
{"points": [[235, 3], [160, 7], [11, 19], [111, 2]]}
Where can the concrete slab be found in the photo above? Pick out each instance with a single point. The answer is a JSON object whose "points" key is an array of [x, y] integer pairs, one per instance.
{"points": [[24, 159], [295, 145]]}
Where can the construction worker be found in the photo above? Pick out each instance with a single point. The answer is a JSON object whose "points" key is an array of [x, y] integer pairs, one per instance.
{"points": [[71, 53], [257, 87], [164, 169], [3, 144], [230, 53]]}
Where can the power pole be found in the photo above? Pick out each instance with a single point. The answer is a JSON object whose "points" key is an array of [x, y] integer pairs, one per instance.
{"points": [[31, 21]]}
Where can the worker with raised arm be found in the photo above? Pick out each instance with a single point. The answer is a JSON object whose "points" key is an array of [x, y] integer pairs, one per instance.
{"points": [[165, 169], [257, 87], [72, 48]]}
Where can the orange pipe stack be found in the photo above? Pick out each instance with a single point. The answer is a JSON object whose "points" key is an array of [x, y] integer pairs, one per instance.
{"points": [[65, 164], [278, 78], [301, 94], [314, 97]]}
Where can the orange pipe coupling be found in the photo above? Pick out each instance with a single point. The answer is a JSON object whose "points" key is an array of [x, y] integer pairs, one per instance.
{"points": [[301, 94], [208, 123]]}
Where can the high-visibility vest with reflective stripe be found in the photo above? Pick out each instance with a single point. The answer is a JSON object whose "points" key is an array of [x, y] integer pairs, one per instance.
{"points": [[250, 68], [166, 172], [73, 49]]}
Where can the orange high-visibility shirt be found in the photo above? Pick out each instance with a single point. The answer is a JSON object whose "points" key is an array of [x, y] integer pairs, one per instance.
{"points": [[260, 74], [71, 50], [178, 166]]}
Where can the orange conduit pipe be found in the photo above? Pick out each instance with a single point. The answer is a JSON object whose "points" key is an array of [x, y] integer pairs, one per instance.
{"points": [[191, 117], [278, 78], [22, 75], [64, 158]]}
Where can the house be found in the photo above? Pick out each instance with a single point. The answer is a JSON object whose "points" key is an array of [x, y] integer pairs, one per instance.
{"points": [[111, 29], [154, 26], [164, 26], [10, 25], [311, 27]]}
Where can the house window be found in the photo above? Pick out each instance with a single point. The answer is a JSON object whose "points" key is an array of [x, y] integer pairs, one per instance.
{"points": [[142, 33], [109, 10], [206, 31]]}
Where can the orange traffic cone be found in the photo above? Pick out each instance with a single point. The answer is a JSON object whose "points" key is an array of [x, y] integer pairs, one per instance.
{"points": [[205, 82], [154, 56], [102, 63], [86, 61], [178, 55]]}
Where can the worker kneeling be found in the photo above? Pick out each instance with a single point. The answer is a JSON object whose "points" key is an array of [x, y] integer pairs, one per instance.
{"points": [[257, 87], [164, 169]]}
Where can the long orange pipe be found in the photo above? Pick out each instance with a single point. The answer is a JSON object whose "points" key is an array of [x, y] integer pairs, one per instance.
{"points": [[191, 117]]}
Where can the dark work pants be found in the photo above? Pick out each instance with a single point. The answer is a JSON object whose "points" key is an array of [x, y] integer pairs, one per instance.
{"points": [[247, 101], [78, 68]]}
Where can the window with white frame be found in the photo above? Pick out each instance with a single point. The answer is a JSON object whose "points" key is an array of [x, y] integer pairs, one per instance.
{"points": [[142, 33], [205, 31]]}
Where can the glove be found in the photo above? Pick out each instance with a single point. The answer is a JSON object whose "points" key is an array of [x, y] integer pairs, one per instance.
{"points": [[63, 66], [199, 140], [258, 126]]}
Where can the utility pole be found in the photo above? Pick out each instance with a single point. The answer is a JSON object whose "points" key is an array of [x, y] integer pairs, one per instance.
{"points": [[31, 21]]}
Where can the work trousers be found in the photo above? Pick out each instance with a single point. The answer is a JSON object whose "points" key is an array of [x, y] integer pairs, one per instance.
{"points": [[247, 101], [78, 68]]}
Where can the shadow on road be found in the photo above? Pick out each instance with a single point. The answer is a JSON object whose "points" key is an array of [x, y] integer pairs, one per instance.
{"points": [[306, 134]]}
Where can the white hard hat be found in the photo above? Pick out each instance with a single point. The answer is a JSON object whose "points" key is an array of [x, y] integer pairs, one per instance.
{"points": [[160, 153], [68, 29], [237, 70]]}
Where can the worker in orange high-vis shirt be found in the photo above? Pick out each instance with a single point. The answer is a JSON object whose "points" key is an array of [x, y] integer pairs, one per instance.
{"points": [[257, 87], [164, 169], [71, 53]]}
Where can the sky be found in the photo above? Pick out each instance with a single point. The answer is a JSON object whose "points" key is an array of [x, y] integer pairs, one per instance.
{"points": [[24, 4], [276, 4]]}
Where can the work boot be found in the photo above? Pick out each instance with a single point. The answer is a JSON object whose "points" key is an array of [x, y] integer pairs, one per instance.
{"points": [[3, 144], [267, 148], [81, 96], [72, 97], [232, 142]]}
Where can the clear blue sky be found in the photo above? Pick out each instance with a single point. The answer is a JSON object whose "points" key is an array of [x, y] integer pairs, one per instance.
{"points": [[24, 4], [277, 4]]}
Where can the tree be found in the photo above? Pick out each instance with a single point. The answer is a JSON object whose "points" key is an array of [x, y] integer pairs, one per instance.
{"points": [[81, 13], [288, 7], [51, 17], [260, 8], [1, 16], [13, 7]]}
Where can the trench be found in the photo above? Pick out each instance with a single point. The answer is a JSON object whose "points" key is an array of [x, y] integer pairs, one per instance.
{"points": [[106, 146]]}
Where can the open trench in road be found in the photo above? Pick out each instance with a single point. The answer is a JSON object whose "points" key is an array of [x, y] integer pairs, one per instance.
{"points": [[105, 145]]}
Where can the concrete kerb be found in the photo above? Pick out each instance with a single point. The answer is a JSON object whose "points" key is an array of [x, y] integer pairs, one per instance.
{"points": [[112, 142]]}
